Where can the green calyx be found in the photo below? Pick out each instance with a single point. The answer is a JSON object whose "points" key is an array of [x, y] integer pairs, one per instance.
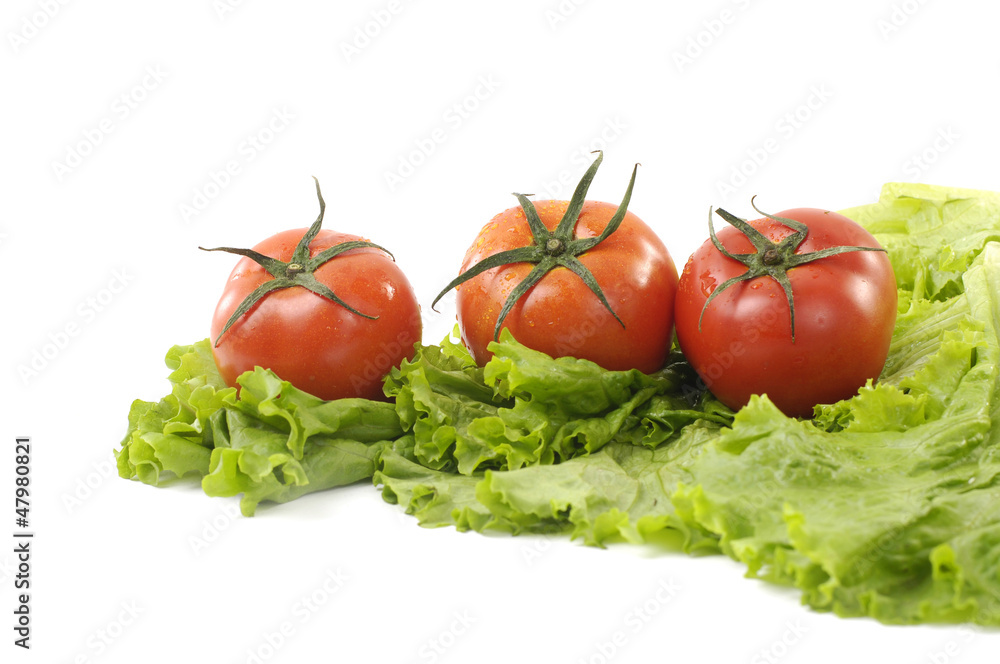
{"points": [[771, 259], [296, 272], [551, 249]]}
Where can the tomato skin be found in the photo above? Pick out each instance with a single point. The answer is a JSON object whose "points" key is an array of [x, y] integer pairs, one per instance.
{"points": [[310, 341], [845, 311], [560, 315]]}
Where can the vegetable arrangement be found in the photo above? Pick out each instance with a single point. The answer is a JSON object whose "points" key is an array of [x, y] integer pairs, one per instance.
{"points": [[882, 504]]}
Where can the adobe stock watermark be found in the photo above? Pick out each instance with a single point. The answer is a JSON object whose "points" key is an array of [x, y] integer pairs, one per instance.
{"points": [[380, 363], [957, 649], [633, 622], [723, 360], [570, 341], [899, 15], [707, 34], [301, 612], [759, 497], [781, 645], [211, 529], [93, 479], [561, 12], [121, 107], [920, 162], [31, 25], [564, 182], [536, 547], [453, 118], [952, 649], [367, 32], [785, 128], [103, 638], [436, 646], [85, 313], [223, 8], [251, 147]]}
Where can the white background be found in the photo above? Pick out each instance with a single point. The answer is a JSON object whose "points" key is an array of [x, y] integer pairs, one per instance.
{"points": [[116, 115]]}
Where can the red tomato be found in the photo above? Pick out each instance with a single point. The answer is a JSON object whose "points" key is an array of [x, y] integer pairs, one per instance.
{"points": [[845, 311], [314, 343], [560, 315]]}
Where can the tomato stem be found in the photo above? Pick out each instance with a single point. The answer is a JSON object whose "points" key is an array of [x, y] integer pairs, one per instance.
{"points": [[550, 249], [770, 259], [296, 272]]}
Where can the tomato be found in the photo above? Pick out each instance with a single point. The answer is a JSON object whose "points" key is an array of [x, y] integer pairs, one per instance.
{"points": [[313, 342], [743, 342], [561, 314]]}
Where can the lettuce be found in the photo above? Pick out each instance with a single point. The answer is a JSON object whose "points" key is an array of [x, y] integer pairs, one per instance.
{"points": [[554, 445], [273, 443], [525, 408], [881, 505], [174, 437]]}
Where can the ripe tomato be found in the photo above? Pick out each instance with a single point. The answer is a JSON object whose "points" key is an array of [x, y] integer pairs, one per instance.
{"points": [[560, 315], [309, 340], [844, 314]]}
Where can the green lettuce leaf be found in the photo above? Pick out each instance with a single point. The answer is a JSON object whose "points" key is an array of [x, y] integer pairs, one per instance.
{"points": [[525, 408], [535, 444], [173, 437], [273, 443], [932, 234]]}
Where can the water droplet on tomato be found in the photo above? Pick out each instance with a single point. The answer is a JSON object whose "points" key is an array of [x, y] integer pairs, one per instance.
{"points": [[708, 283]]}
